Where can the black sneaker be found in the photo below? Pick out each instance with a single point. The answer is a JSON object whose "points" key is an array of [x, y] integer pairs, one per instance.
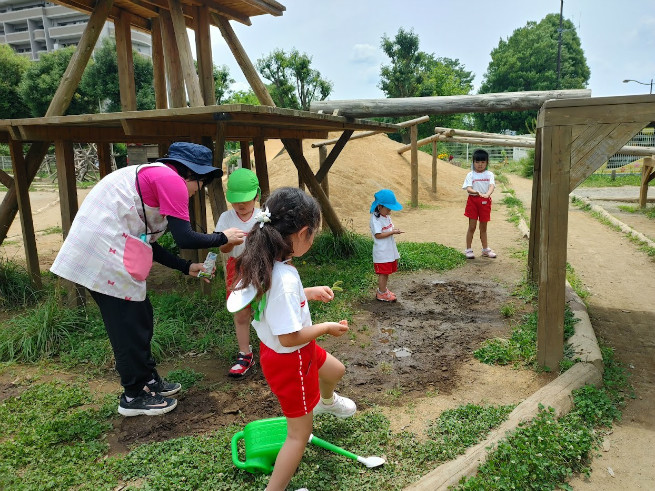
{"points": [[147, 404], [164, 388]]}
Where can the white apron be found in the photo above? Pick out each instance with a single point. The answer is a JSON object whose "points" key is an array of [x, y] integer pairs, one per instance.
{"points": [[104, 250]]}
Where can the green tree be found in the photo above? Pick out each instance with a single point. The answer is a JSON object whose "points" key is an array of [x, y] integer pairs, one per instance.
{"points": [[40, 82], [527, 60], [294, 84], [100, 79], [12, 67], [222, 82], [243, 97], [414, 73]]}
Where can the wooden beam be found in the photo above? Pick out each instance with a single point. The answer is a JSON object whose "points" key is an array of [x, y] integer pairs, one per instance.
{"points": [[244, 146], [434, 167], [453, 104], [615, 110], [413, 136], [27, 225], [478, 134], [216, 192], [647, 175], [266, 6], [555, 162], [204, 57], [364, 134], [6, 180], [158, 65], [334, 153], [294, 148], [104, 158], [535, 214], [186, 59], [243, 61], [322, 157], [125, 61], [176, 93], [261, 167]]}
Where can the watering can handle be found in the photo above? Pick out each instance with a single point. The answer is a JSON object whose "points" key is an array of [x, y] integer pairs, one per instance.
{"points": [[235, 455], [333, 448]]}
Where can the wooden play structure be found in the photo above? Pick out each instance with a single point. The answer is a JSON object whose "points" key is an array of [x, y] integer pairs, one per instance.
{"points": [[185, 104]]}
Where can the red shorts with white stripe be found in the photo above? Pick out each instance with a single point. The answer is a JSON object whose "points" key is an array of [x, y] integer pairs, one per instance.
{"points": [[293, 377]]}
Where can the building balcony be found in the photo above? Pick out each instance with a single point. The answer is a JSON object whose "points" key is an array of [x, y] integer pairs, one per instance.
{"points": [[57, 12], [17, 37], [39, 35], [65, 32], [21, 15]]}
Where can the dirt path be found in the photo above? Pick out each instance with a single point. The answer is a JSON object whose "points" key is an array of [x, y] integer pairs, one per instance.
{"points": [[620, 279]]}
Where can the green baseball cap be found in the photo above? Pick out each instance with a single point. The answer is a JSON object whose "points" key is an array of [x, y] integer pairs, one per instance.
{"points": [[242, 185]]}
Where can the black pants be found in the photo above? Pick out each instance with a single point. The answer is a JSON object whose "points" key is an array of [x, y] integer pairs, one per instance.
{"points": [[130, 327]]}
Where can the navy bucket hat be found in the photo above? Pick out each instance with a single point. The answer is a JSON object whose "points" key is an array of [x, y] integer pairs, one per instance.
{"points": [[385, 197], [197, 158]]}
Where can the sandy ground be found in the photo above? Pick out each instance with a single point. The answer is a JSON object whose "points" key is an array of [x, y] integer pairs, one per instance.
{"points": [[618, 276]]}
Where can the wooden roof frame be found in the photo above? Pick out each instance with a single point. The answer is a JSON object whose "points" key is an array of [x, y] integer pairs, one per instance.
{"points": [[574, 138]]}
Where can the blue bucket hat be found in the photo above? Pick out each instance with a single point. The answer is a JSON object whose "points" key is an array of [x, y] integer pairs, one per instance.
{"points": [[385, 197], [197, 158]]}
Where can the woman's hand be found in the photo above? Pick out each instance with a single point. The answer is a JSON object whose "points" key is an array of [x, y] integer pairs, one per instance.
{"points": [[337, 329], [319, 293], [195, 268], [234, 236]]}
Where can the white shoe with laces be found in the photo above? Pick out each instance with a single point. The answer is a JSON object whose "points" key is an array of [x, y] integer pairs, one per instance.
{"points": [[342, 407]]}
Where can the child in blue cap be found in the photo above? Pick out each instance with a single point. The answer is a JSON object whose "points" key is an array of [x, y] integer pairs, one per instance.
{"points": [[385, 252]]}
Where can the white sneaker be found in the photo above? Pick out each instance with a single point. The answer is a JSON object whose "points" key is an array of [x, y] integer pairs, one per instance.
{"points": [[342, 407]]}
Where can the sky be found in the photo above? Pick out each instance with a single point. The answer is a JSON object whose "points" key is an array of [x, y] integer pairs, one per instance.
{"points": [[343, 38]]}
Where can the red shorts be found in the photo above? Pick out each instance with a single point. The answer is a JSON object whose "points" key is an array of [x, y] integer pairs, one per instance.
{"points": [[386, 268], [293, 377], [230, 272], [478, 208]]}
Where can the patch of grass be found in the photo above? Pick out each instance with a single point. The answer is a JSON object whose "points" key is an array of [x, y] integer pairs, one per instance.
{"points": [[575, 282], [185, 376], [508, 310], [605, 180], [52, 230], [16, 289], [648, 211]]}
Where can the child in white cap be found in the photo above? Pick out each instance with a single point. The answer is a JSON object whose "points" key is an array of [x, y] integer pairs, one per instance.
{"points": [[385, 252]]}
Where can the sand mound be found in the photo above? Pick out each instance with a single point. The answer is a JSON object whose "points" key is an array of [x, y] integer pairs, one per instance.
{"points": [[366, 165]]}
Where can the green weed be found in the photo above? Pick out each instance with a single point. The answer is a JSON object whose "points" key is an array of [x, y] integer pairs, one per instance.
{"points": [[16, 288], [185, 376]]}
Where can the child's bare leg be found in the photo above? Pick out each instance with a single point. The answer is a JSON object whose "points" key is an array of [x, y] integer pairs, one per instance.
{"points": [[471, 230], [329, 375], [483, 234], [382, 282], [242, 328], [298, 431]]}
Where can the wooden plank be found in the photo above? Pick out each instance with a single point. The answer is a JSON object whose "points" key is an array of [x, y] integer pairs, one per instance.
{"points": [[615, 113], [261, 167], [158, 65], [204, 57], [646, 176], [6, 180], [23, 197], [434, 167], [334, 153], [599, 150], [244, 146], [555, 162], [403, 124], [125, 62], [294, 148], [592, 136], [535, 213], [186, 59], [104, 158], [322, 157], [413, 136], [176, 93], [243, 61]]}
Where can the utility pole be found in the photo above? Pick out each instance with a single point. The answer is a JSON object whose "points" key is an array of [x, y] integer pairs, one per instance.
{"points": [[559, 44]]}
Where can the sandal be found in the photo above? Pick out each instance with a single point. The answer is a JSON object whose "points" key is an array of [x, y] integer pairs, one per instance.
{"points": [[469, 254], [488, 253]]}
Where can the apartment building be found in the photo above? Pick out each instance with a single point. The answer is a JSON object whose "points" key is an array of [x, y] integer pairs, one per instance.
{"points": [[34, 27]]}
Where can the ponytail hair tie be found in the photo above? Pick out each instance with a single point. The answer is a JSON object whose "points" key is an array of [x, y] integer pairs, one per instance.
{"points": [[263, 217]]}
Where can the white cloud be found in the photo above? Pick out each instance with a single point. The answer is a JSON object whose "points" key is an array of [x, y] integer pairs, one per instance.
{"points": [[365, 54]]}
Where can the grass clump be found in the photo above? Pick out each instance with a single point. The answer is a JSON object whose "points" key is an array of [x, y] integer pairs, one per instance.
{"points": [[16, 289], [185, 376], [605, 180]]}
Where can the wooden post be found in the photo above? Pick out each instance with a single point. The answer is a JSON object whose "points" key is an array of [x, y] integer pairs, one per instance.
{"points": [[322, 157], [65, 159], [434, 167], [158, 66], [104, 158], [204, 56], [334, 153], [125, 61], [184, 49], [555, 176], [535, 214], [176, 94], [216, 193], [23, 197], [261, 167], [647, 175], [244, 145], [294, 148], [413, 132]]}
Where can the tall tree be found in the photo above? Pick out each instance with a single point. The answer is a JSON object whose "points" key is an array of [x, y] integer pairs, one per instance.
{"points": [[243, 97], [222, 82], [40, 82], [294, 84], [527, 60], [12, 68], [100, 79], [404, 76]]}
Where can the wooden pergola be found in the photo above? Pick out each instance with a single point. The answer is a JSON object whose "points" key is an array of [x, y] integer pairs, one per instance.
{"points": [[185, 104], [574, 138]]}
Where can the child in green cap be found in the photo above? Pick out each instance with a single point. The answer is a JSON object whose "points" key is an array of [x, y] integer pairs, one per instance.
{"points": [[242, 192]]}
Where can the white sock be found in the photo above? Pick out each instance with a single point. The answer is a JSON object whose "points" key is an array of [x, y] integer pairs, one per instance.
{"points": [[328, 402], [129, 399], [152, 381]]}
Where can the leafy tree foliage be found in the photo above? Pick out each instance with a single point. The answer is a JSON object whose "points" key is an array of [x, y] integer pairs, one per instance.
{"points": [[527, 60], [414, 73], [100, 79], [294, 84], [222, 82], [12, 68], [40, 82], [243, 97]]}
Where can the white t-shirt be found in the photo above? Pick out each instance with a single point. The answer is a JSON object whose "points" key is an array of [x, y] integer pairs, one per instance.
{"points": [[230, 219], [384, 250], [479, 181], [286, 309]]}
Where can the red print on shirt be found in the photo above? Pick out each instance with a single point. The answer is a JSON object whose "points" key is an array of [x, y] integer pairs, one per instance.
{"points": [[302, 304], [112, 251], [390, 226], [112, 283]]}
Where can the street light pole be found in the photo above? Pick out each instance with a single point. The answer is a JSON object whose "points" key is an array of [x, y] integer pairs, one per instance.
{"points": [[642, 83]]}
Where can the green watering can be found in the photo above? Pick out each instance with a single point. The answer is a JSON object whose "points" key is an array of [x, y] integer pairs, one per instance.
{"points": [[264, 438]]}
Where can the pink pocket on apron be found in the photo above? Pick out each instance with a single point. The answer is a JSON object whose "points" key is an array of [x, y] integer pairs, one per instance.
{"points": [[137, 258]]}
